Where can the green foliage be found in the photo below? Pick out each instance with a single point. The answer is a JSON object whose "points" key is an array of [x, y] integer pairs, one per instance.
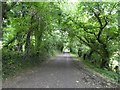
{"points": [[29, 35], [94, 26], [114, 61], [10, 64], [39, 29]]}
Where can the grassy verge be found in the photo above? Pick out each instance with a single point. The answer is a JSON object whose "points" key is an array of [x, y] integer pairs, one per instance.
{"points": [[19, 66], [104, 73]]}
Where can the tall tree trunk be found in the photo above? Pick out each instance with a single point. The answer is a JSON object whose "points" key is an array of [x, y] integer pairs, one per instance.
{"points": [[28, 44]]}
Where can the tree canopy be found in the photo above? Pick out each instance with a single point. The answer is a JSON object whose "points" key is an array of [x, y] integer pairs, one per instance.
{"points": [[89, 29]]}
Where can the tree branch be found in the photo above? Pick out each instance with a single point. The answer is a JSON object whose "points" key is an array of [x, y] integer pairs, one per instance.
{"points": [[112, 8], [12, 40]]}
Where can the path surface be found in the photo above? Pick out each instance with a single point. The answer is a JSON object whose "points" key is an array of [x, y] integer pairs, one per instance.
{"points": [[61, 72]]}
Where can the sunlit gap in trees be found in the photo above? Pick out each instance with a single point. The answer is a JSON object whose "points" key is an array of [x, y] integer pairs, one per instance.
{"points": [[69, 6], [0, 44]]}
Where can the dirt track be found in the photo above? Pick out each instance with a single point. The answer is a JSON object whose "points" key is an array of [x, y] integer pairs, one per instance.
{"points": [[61, 72]]}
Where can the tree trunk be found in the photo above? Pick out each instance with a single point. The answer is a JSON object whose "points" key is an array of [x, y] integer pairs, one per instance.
{"points": [[90, 54], [104, 63], [27, 45], [105, 59]]}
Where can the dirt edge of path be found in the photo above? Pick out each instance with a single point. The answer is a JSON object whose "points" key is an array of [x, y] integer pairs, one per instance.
{"points": [[79, 64]]}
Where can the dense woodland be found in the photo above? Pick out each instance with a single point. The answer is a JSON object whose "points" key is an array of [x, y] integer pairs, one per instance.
{"points": [[34, 31]]}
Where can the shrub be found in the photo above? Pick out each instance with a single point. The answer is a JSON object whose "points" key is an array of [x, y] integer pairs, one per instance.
{"points": [[114, 60]]}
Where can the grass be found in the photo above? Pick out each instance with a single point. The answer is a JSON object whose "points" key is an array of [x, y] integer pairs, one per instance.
{"points": [[16, 67], [104, 73]]}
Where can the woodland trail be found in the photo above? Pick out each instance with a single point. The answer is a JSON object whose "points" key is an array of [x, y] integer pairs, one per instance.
{"points": [[60, 72]]}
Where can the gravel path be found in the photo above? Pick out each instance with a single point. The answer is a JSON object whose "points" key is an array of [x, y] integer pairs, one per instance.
{"points": [[61, 72]]}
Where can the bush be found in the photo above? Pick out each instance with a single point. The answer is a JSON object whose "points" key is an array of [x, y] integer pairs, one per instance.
{"points": [[114, 60], [83, 50], [13, 61], [95, 58], [10, 62]]}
